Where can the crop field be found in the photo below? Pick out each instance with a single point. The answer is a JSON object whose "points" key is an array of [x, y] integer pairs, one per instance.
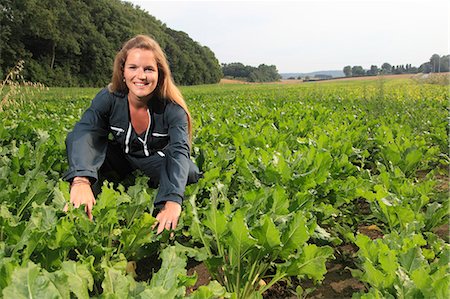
{"points": [[327, 190]]}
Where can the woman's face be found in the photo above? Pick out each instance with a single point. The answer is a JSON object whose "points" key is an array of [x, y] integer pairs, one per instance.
{"points": [[140, 74]]}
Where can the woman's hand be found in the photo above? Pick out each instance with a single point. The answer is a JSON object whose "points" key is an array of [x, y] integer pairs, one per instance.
{"points": [[81, 194], [168, 217]]}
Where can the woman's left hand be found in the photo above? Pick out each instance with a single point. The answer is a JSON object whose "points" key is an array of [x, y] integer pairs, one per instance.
{"points": [[168, 216]]}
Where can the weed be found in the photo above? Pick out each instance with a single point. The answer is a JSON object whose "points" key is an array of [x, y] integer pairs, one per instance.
{"points": [[15, 90]]}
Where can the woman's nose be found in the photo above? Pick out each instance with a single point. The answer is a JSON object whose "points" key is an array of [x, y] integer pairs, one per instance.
{"points": [[141, 74]]}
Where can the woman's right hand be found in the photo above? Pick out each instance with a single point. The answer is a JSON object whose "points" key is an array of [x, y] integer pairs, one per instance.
{"points": [[81, 194]]}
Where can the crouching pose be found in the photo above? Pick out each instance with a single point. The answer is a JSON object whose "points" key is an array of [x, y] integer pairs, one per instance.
{"points": [[139, 122]]}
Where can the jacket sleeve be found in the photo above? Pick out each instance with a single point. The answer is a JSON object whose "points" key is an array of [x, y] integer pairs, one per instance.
{"points": [[86, 144], [175, 168]]}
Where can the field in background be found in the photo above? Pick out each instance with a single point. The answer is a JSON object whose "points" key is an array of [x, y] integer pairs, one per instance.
{"points": [[343, 183], [417, 77]]}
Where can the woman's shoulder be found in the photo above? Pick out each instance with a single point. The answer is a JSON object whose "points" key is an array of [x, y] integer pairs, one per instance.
{"points": [[106, 94], [174, 110], [174, 113], [106, 98]]}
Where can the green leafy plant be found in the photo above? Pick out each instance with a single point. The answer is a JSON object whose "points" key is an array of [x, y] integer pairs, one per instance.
{"points": [[248, 255], [404, 265]]}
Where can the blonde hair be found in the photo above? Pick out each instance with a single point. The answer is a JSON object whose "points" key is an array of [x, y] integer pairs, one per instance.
{"points": [[166, 88]]}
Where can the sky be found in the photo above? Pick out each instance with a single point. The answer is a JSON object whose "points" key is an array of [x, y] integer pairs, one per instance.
{"points": [[305, 36]]}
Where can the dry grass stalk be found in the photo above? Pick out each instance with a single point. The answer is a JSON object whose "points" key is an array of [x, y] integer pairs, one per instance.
{"points": [[15, 90]]}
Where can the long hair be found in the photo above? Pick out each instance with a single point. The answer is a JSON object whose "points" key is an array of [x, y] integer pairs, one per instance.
{"points": [[165, 89]]}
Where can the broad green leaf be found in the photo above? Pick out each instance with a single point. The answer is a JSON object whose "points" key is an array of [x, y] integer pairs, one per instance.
{"points": [[216, 221], [412, 259], [367, 247], [295, 236], [29, 282], [387, 259], [115, 284], [212, 290], [441, 282], [7, 266], [159, 292], [267, 234], [412, 158], [64, 237], [41, 223], [404, 286], [139, 233], [280, 201], [60, 280], [240, 239], [375, 277], [173, 264], [421, 278], [80, 279], [311, 262]]}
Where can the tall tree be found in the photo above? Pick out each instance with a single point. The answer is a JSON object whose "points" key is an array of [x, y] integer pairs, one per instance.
{"points": [[358, 70], [435, 62], [386, 68], [347, 71], [373, 71], [73, 42]]}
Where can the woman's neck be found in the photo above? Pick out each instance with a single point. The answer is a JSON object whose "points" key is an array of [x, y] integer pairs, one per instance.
{"points": [[138, 103]]}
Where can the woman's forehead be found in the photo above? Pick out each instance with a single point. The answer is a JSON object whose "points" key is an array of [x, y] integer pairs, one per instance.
{"points": [[138, 55]]}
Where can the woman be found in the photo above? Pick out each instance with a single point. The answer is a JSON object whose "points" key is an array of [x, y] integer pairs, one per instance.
{"points": [[151, 130]]}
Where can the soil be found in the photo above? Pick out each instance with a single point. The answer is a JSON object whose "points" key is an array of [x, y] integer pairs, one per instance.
{"points": [[338, 283], [443, 232], [203, 276]]}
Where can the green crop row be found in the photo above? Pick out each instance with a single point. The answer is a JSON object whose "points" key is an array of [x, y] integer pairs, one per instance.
{"points": [[291, 173]]}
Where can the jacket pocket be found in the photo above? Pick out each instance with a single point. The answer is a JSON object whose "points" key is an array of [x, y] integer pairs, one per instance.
{"points": [[156, 134], [117, 131]]}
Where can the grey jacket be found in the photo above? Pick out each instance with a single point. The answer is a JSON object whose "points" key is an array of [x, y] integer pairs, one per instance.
{"points": [[109, 117]]}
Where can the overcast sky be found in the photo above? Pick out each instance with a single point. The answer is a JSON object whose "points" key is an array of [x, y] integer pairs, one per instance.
{"points": [[306, 36]]}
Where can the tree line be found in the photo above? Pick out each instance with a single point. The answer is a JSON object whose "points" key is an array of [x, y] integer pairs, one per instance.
{"points": [[436, 64], [262, 73], [73, 42]]}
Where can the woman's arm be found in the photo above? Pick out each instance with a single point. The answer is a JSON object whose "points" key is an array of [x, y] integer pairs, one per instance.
{"points": [[86, 150], [86, 144], [175, 169]]}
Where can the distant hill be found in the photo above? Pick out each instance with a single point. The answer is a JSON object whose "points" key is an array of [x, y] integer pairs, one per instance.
{"points": [[334, 74]]}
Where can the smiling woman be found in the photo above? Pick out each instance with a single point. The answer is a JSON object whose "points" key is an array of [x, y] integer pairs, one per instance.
{"points": [[151, 128]]}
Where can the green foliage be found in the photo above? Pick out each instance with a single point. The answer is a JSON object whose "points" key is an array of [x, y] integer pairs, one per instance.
{"points": [[263, 73], [243, 251], [290, 171], [73, 43], [401, 266]]}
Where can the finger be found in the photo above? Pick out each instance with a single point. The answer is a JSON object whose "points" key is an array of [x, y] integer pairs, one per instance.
{"points": [[168, 225], [88, 211], [174, 224], [76, 204], [66, 208], [158, 220], [160, 228]]}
